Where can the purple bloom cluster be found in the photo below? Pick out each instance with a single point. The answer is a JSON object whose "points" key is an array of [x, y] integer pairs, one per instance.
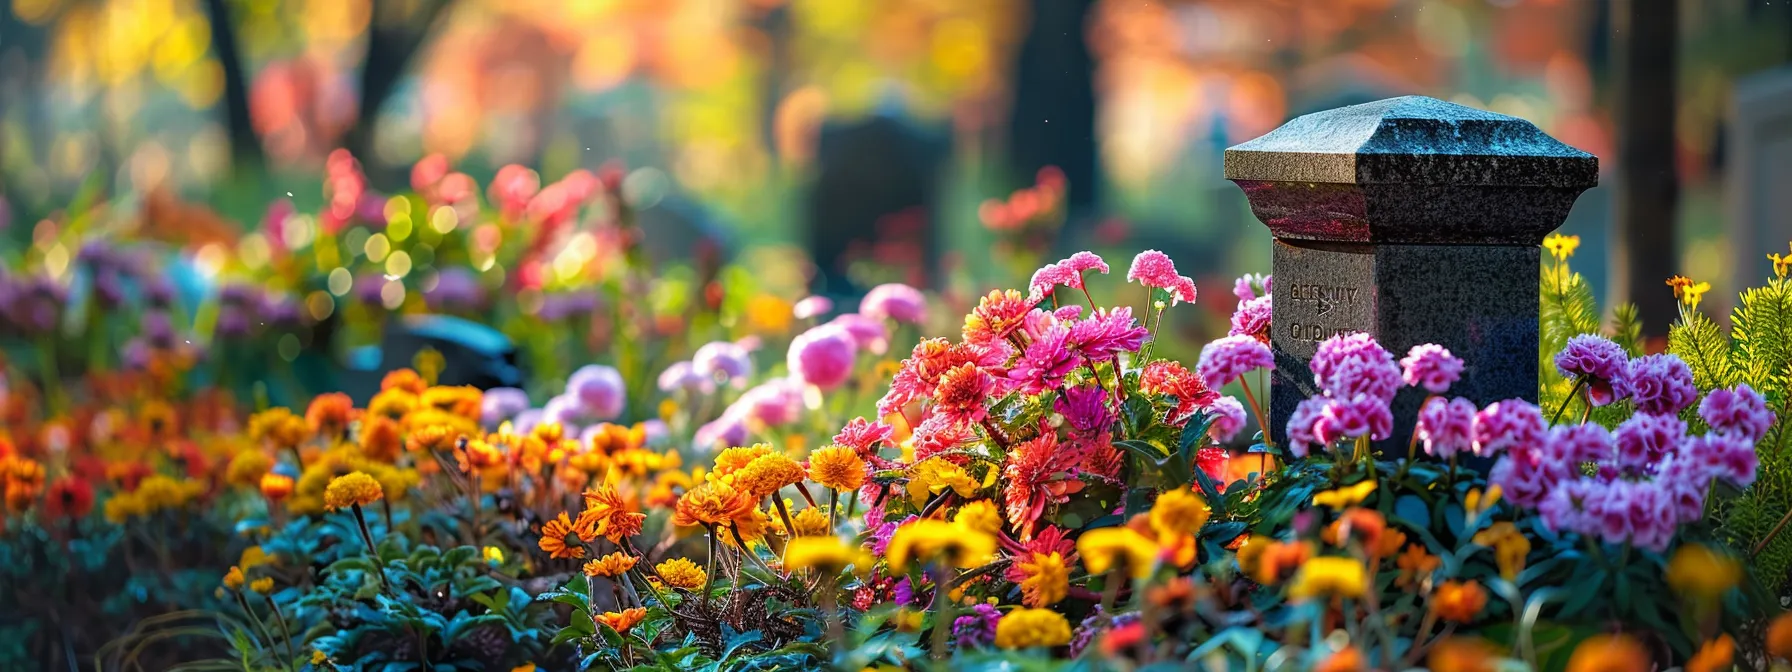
{"points": [[1659, 384], [894, 301], [1432, 367], [1357, 379], [1226, 359], [1595, 363], [1251, 318], [977, 628], [1446, 426], [1252, 285]]}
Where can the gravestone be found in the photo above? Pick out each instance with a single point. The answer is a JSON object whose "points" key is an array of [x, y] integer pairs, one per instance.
{"points": [[1416, 221], [1759, 145], [873, 200]]}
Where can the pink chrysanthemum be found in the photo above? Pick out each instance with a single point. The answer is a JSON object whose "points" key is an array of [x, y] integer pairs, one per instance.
{"points": [[894, 301], [1349, 364], [939, 433], [1171, 378], [823, 356], [1446, 426], [1741, 412], [1300, 426], [1645, 440], [723, 362], [1105, 334], [961, 393], [1505, 425], [1226, 359], [999, 314], [1432, 367], [1251, 318], [1228, 419], [1569, 446], [1360, 415], [1152, 268], [1045, 363], [1246, 286], [1595, 363], [864, 436], [1068, 272], [1659, 384], [1085, 410]]}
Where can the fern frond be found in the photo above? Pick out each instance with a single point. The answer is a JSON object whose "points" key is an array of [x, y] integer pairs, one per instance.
{"points": [[1698, 341], [1567, 307], [1627, 328], [1761, 326]]}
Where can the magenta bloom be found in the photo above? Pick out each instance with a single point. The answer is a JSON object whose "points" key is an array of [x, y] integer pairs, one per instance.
{"points": [[977, 628], [1652, 520], [812, 306], [894, 301], [1360, 415], [722, 361], [599, 390], [1740, 411], [1569, 446], [773, 402], [1047, 360], [863, 436], [1597, 363], [1349, 364], [1152, 268], [1565, 508], [1245, 287], [871, 335], [1446, 426], [939, 433], [1645, 440], [1068, 272], [1085, 410], [1228, 417], [1724, 456], [684, 376], [1105, 334], [1506, 425], [1224, 360], [1432, 367], [1251, 318], [1659, 384], [1524, 482], [1300, 425], [823, 356], [726, 431]]}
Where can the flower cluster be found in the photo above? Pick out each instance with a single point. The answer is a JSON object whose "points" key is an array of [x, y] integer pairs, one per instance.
{"points": [[1358, 379]]}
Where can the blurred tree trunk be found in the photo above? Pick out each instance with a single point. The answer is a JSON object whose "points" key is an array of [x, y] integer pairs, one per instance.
{"points": [[1053, 118], [1645, 38], [393, 38], [245, 146]]}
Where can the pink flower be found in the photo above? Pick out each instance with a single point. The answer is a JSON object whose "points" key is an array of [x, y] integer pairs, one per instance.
{"points": [[722, 361], [1300, 425], [1506, 425], [961, 393], [599, 390], [1652, 520], [1740, 411], [726, 431], [1068, 272], [774, 402], [1245, 287], [1569, 446], [997, 315], [1183, 291], [1224, 360], [1595, 362], [1659, 384], [812, 306], [1361, 415], [1152, 268], [1523, 482], [1565, 508], [1227, 418], [863, 436], [894, 301], [823, 356], [1349, 364], [1432, 367], [1107, 333], [512, 188], [1046, 362], [1171, 378], [1725, 456], [870, 334], [1608, 511], [1446, 426], [939, 433], [1645, 440], [1251, 318], [682, 376], [1085, 409]]}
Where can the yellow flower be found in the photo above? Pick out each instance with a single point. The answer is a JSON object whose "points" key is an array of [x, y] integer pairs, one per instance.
{"points": [[276, 487], [262, 585], [1780, 263], [809, 522], [1106, 548], [826, 555], [393, 403], [494, 555], [234, 579], [766, 475], [1345, 497], [980, 515], [1026, 628], [681, 573], [621, 621], [1510, 547], [1698, 572], [1477, 502], [1693, 293], [734, 459], [837, 468], [279, 427], [318, 657], [1178, 512], [935, 475], [253, 557], [767, 313], [611, 566], [1047, 582], [1561, 247], [935, 540], [355, 488], [553, 539], [1679, 283], [1329, 576], [1715, 655], [247, 468], [122, 507], [710, 503]]}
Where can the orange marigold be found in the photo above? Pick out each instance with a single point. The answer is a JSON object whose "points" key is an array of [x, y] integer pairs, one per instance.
{"points": [[1779, 637], [1715, 655], [767, 474], [621, 621], [432, 438], [1459, 601], [380, 438], [329, 413], [681, 573], [610, 566], [837, 468], [1347, 660], [608, 515], [404, 379], [1609, 653], [354, 488], [734, 459], [463, 401], [392, 404], [276, 487], [553, 538], [711, 503]]}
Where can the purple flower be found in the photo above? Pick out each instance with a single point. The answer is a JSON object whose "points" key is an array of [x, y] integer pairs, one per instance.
{"points": [[501, 403], [564, 410], [1251, 318], [1245, 287], [977, 628], [812, 306], [1522, 480], [1652, 519], [1569, 446], [1224, 360], [1085, 409], [1300, 425], [894, 301], [527, 420], [683, 376], [599, 390], [456, 288], [1731, 458], [1446, 426], [1608, 511], [1432, 367], [723, 362], [1740, 411], [1645, 440], [823, 356], [1596, 363], [1106, 333], [1361, 415], [774, 402], [1228, 418], [1659, 384], [1565, 508], [1046, 362], [1506, 425], [567, 305], [728, 430], [871, 335]]}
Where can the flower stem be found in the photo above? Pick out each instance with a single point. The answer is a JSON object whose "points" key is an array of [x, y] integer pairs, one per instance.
{"points": [[942, 612], [1578, 382], [379, 566], [833, 507], [709, 576], [1256, 408]]}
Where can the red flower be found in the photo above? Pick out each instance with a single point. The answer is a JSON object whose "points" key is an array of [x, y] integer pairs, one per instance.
{"points": [[69, 497], [961, 393], [997, 316], [1173, 379], [1039, 473]]}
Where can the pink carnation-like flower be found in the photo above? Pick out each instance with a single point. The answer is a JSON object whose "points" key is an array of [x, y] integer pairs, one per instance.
{"points": [[1569, 446], [1659, 384], [1596, 363], [1251, 318], [1652, 520], [1686, 481], [1524, 482], [723, 362], [1245, 287], [1085, 410], [1067, 272], [864, 436], [823, 356], [1725, 456], [812, 306], [1740, 411], [1300, 425], [1183, 291], [1152, 268], [1224, 360], [1645, 440], [1432, 367], [1228, 417], [1349, 364], [871, 335], [1105, 334], [599, 390], [1564, 509], [1045, 363], [1446, 426], [939, 433], [774, 402], [1360, 415], [894, 301], [1505, 425]]}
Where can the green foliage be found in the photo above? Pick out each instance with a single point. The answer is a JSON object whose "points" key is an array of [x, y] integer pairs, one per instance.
{"points": [[1567, 308]]}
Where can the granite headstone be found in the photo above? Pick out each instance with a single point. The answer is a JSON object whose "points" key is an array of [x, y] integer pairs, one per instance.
{"points": [[1759, 148], [1414, 220]]}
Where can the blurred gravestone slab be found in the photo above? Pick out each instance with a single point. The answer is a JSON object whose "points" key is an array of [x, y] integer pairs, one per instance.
{"points": [[1416, 221], [472, 353], [676, 229], [1760, 173], [873, 200]]}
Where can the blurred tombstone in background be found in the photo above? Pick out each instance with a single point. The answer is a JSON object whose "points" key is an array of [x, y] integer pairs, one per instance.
{"points": [[675, 229], [471, 354], [873, 204], [1760, 158]]}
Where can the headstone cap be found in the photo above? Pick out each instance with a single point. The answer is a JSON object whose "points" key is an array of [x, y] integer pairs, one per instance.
{"points": [[1412, 140]]}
